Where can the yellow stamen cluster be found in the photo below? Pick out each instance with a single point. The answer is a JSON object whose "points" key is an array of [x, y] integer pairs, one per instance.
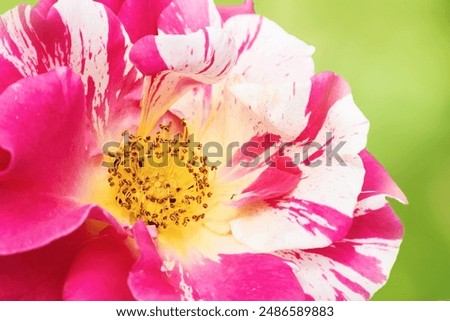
{"points": [[161, 180]]}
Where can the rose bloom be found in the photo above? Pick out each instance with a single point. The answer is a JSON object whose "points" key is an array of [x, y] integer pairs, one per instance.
{"points": [[81, 220]]}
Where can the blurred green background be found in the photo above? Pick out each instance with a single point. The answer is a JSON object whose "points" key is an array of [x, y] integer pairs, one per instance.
{"points": [[396, 56]]}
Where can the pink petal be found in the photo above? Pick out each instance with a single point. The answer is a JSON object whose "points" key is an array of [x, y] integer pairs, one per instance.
{"points": [[9, 74], [248, 7], [114, 5], [31, 220], [140, 18], [40, 274], [355, 268], [243, 277], [42, 131], [378, 181], [41, 143], [147, 280], [100, 271], [94, 45], [187, 16]]}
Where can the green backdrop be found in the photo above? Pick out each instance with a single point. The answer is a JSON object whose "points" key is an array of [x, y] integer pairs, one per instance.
{"points": [[395, 55]]}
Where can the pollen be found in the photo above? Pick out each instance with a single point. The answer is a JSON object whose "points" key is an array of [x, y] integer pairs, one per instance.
{"points": [[161, 179]]}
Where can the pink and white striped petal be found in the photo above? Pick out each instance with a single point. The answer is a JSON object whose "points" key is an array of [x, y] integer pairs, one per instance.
{"points": [[288, 224], [188, 16], [240, 277], [337, 124], [226, 12], [287, 60], [262, 91], [355, 268], [327, 89], [177, 63], [83, 35], [264, 80]]}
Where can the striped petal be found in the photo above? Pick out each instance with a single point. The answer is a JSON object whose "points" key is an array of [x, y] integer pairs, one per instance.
{"points": [[289, 223], [332, 171], [83, 35], [274, 84], [319, 210], [177, 63], [261, 87], [355, 268]]}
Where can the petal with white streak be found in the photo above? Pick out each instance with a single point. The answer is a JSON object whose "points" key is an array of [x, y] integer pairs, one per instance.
{"points": [[177, 63], [83, 35], [355, 268], [272, 83], [242, 277]]}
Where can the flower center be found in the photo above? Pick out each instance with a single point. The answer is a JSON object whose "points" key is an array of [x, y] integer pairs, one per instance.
{"points": [[161, 180]]}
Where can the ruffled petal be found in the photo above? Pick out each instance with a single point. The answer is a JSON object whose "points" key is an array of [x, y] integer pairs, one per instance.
{"points": [[355, 268], [188, 16], [177, 63], [319, 210], [315, 214], [266, 92], [147, 279], [240, 277], [226, 12]]}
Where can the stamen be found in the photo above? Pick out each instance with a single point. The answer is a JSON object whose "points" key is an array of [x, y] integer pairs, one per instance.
{"points": [[161, 181]]}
